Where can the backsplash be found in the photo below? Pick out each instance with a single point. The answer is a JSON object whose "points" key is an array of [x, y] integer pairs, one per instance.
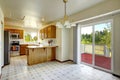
{"points": [[45, 42]]}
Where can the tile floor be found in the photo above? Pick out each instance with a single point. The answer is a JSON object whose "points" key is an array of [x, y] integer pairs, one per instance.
{"points": [[18, 70]]}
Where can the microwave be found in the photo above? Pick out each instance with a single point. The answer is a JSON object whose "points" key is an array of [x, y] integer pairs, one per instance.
{"points": [[14, 36]]}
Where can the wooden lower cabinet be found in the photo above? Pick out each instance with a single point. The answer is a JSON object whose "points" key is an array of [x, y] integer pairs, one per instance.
{"points": [[40, 55], [51, 53], [23, 49]]}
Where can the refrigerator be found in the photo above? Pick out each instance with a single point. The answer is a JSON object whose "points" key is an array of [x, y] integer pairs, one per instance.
{"points": [[6, 48]]}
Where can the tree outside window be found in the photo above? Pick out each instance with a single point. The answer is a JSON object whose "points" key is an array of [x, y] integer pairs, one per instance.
{"points": [[31, 37]]}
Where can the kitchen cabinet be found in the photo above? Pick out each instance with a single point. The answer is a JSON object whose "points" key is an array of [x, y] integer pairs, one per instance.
{"points": [[21, 34], [51, 53], [23, 49], [45, 32], [51, 31], [48, 32], [37, 54], [18, 31]]}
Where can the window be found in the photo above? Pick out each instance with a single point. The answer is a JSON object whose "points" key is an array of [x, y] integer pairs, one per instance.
{"points": [[31, 37]]}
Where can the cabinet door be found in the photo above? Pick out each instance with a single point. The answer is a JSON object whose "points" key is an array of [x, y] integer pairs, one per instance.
{"points": [[21, 34], [45, 33], [49, 32], [12, 30], [44, 54], [49, 53], [40, 55], [53, 55], [23, 49], [31, 56], [52, 31], [16, 31]]}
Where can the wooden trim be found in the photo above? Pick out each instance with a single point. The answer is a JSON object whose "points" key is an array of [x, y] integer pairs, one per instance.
{"points": [[63, 61]]}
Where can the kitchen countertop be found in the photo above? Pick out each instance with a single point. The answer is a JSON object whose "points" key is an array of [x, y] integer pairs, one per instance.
{"points": [[41, 46]]}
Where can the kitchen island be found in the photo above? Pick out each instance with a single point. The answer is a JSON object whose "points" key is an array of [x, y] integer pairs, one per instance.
{"points": [[40, 54]]}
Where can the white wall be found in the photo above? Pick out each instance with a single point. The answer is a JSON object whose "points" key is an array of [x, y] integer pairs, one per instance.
{"points": [[65, 44], [98, 9], [71, 44], [63, 41], [59, 43], [2, 43], [116, 44]]}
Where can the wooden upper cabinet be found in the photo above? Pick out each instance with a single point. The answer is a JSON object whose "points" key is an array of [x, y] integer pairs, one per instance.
{"points": [[52, 31], [12, 30], [45, 32], [48, 32], [20, 32]]}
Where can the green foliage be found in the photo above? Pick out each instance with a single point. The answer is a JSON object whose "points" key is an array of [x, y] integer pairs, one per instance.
{"points": [[28, 38], [101, 37]]}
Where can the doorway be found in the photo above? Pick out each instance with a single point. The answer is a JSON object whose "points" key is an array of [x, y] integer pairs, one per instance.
{"points": [[95, 47]]}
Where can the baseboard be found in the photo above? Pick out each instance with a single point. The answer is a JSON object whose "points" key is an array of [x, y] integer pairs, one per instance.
{"points": [[116, 75], [0, 76], [63, 61]]}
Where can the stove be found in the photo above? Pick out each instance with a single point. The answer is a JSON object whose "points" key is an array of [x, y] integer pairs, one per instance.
{"points": [[14, 48]]}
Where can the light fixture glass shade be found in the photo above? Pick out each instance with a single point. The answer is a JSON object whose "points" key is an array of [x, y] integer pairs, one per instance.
{"points": [[73, 24], [59, 25], [66, 24]]}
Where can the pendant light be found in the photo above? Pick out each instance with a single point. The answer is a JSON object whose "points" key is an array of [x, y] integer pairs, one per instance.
{"points": [[65, 23]]}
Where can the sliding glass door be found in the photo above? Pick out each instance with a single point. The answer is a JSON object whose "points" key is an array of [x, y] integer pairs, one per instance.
{"points": [[96, 45], [103, 45], [86, 44]]}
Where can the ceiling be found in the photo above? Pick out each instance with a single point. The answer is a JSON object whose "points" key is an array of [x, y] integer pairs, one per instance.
{"points": [[49, 9]]}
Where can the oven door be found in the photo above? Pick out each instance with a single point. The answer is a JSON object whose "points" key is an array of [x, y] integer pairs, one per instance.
{"points": [[15, 48]]}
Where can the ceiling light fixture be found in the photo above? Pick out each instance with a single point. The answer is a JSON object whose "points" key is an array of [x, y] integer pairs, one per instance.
{"points": [[65, 23]]}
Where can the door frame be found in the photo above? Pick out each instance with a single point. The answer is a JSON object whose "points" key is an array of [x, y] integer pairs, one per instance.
{"points": [[93, 45]]}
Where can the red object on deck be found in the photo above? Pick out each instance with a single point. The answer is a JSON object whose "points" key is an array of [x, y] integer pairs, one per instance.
{"points": [[101, 61]]}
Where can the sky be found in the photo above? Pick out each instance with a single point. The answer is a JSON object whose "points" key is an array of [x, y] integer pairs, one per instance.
{"points": [[98, 27]]}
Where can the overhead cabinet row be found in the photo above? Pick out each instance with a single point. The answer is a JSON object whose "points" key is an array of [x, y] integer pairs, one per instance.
{"points": [[48, 32], [17, 31]]}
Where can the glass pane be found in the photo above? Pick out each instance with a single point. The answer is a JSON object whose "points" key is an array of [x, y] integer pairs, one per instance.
{"points": [[31, 37], [103, 45], [86, 44]]}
